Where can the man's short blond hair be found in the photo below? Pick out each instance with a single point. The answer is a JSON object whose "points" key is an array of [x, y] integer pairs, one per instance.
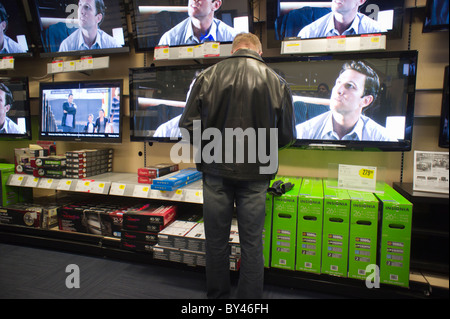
{"points": [[247, 41]]}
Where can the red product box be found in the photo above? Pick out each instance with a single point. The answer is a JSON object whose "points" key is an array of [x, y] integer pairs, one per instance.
{"points": [[152, 219], [145, 180], [158, 170]]}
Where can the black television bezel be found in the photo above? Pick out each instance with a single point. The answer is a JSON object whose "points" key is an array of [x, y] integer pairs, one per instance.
{"points": [[29, 35], [443, 140], [272, 10], [99, 83], [400, 146], [138, 49], [94, 52], [146, 70], [427, 28], [28, 134]]}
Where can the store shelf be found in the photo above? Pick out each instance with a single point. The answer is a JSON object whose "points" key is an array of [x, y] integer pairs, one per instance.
{"points": [[116, 184]]}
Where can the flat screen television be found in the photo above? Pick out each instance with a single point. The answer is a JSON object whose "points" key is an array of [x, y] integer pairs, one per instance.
{"points": [[444, 125], [308, 19], [15, 37], [88, 111], [436, 16], [158, 95], [326, 113], [15, 121], [168, 22], [84, 27], [157, 99]]}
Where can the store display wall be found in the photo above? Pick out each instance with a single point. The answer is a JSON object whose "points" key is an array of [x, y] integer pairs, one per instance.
{"points": [[433, 56]]}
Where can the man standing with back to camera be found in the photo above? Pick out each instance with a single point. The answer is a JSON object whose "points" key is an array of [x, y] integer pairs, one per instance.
{"points": [[240, 92]]}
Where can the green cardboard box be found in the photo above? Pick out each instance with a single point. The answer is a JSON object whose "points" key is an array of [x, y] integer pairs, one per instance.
{"points": [[284, 226], [336, 224], [363, 239], [267, 231], [309, 225], [395, 248], [8, 194]]}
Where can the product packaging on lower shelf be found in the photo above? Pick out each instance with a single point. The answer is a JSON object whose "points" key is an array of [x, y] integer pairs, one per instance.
{"points": [[284, 227], [336, 226], [363, 241], [395, 248], [310, 223], [8, 194]]}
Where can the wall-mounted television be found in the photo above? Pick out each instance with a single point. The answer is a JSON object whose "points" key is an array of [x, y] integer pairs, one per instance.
{"points": [[444, 124], [79, 27], [311, 19], [436, 16], [158, 95], [15, 37], [157, 99], [15, 120], [88, 111], [187, 22], [362, 101]]}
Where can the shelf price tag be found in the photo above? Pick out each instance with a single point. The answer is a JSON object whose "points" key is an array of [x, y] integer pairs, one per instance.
{"points": [[16, 180], [98, 187], [141, 191], [161, 53], [357, 177], [117, 189], [31, 181], [45, 183], [64, 184]]}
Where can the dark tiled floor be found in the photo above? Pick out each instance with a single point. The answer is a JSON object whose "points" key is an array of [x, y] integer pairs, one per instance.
{"points": [[33, 273]]}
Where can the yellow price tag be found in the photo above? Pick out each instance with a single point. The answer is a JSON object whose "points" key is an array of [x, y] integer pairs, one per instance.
{"points": [[375, 39], [20, 178], [179, 192], [68, 182], [367, 173], [166, 50], [87, 183], [122, 187], [215, 46], [145, 189], [190, 49]]}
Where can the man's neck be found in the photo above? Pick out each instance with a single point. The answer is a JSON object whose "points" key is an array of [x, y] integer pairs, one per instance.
{"points": [[343, 22], [342, 125], [201, 26], [89, 36]]}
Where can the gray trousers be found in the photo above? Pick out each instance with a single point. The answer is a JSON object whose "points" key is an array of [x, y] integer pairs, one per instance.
{"points": [[219, 196]]}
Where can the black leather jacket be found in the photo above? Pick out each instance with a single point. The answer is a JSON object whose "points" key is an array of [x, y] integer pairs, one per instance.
{"points": [[240, 92]]}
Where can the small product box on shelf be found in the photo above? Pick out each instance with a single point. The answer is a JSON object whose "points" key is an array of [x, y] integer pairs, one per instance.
{"points": [[363, 241], [310, 223], [336, 225], [157, 170], [154, 218], [21, 214], [395, 249], [284, 228], [176, 180]]}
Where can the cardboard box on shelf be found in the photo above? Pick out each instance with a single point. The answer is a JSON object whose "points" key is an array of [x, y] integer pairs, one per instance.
{"points": [[284, 226], [310, 224], [363, 239], [395, 251], [336, 226]]}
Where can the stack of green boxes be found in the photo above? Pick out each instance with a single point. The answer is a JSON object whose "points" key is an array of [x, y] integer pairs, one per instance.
{"points": [[336, 226], [395, 238], [309, 225], [322, 229], [363, 233], [284, 226]]}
